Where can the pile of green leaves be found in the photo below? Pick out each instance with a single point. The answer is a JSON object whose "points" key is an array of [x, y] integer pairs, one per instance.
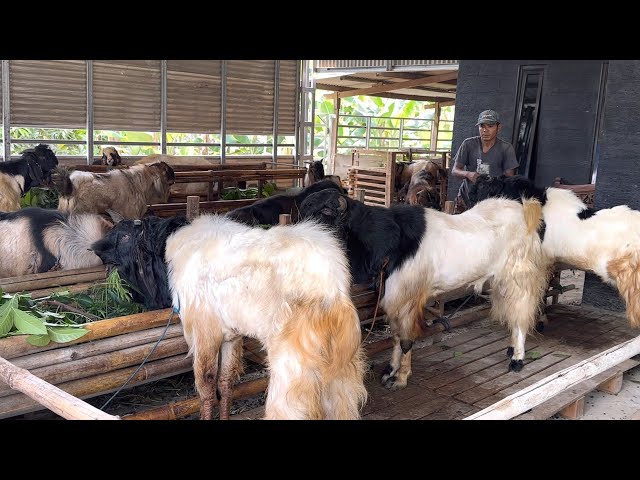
{"points": [[40, 197], [235, 193], [108, 299], [20, 314]]}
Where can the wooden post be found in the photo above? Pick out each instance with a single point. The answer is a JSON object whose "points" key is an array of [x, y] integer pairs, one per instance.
{"points": [[284, 219], [449, 207], [333, 143], [360, 194], [193, 207]]}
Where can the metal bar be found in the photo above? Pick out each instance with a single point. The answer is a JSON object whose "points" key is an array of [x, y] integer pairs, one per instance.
{"points": [[366, 141], [163, 107], [6, 112], [89, 139], [223, 110], [401, 132], [276, 102], [296, 126]]}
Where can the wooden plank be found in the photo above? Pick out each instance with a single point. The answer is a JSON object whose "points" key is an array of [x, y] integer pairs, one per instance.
{"points": [[574, 410], [451, 410], [495, 378], [561, 400]]}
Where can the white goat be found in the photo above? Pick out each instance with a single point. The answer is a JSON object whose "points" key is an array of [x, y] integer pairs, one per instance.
{"points": [[288, 287]]}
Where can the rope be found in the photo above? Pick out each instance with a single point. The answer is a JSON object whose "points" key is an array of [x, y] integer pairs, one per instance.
{"points": [[143, 361], [445, 320], [380, 288]]}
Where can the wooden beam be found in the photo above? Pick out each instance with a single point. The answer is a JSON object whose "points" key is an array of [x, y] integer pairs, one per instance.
{"points": [[401, 96], [400, 85]]}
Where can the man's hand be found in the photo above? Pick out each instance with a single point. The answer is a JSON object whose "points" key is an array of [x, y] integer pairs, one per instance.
{"points": [[472, 176]]}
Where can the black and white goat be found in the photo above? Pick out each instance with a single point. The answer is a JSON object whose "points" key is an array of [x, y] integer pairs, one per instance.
{"points": [[605, 241], [229, 280], [266, 211], [17, 177], [423, 252], [36, 240]]}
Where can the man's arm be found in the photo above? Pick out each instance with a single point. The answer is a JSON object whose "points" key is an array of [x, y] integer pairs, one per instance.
{"points": [[459, 171], [510, 162], [459, 164]]}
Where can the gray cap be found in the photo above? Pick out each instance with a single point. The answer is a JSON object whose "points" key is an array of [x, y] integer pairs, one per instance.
{"points": [[488, 116]]}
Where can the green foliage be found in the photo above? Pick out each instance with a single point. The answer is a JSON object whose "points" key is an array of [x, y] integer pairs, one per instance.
{"points": [[20, 315], [40, 197], [235, 193]]}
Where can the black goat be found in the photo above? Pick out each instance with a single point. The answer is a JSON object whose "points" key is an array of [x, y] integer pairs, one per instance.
{"points": [[267, 211], [514, 187], [136, 249]]}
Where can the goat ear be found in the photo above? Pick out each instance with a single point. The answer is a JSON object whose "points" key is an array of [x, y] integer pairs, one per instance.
{"points": [[115, 216], [342, 204]]}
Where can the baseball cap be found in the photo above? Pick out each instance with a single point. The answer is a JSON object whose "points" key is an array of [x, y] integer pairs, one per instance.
{"points": [[488, 116]]}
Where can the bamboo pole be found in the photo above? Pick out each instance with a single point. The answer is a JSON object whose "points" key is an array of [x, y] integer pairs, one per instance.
{"points": [[561, 381], [183, 408], [20, 284], [89, 349], [100, 384], [17, 346], [106, 362], [56, 400]]}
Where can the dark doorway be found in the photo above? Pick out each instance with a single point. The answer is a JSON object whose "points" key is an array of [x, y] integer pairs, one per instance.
{"points": [[527, 109]]}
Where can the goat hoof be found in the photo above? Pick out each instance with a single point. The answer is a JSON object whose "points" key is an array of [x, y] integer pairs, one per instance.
{"points": [[393, 384], [516, 365], [509, 351], [539, 327]]}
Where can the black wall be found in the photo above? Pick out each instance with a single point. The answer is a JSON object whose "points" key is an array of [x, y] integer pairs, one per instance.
{"points": [[617, 181], [567, 116]]}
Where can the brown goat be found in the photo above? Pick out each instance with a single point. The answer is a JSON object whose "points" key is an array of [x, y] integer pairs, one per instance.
{"points": [[127, 191], [110, 156]]}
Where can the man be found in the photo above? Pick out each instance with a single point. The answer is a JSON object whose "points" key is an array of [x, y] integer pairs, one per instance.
{"points": [[485, 153]]}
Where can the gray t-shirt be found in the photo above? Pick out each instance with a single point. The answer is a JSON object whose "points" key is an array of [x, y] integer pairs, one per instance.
{"points": [[499, 158]]}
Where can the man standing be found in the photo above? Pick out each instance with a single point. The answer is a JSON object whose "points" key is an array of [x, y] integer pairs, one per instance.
{"points": [[485, 153]]}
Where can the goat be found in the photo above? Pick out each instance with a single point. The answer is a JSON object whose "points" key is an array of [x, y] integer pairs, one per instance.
{"points": [[605, 241], [127, 191], [423, 253], [421, 190], [17, 177], [406, 171], [275, 286], [193, 188], [37, 240], [110, 156], [315, 173], [266, 211]]}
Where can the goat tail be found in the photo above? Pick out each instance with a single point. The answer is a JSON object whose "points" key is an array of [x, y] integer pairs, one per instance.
{"points": [[62, 182], [625, 270], [328, 344], [532, 210]]}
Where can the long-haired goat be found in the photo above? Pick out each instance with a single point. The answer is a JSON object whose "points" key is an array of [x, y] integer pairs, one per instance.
{"points": [[423, 253], [127, 191], [605, 241], [229, 280], [17, 177], [266, 211], [36, 240]]}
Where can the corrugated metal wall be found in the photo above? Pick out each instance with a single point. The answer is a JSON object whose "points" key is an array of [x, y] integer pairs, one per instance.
{"points": [[193, 96], [287, 97], [126, 95], [50, 93]]}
